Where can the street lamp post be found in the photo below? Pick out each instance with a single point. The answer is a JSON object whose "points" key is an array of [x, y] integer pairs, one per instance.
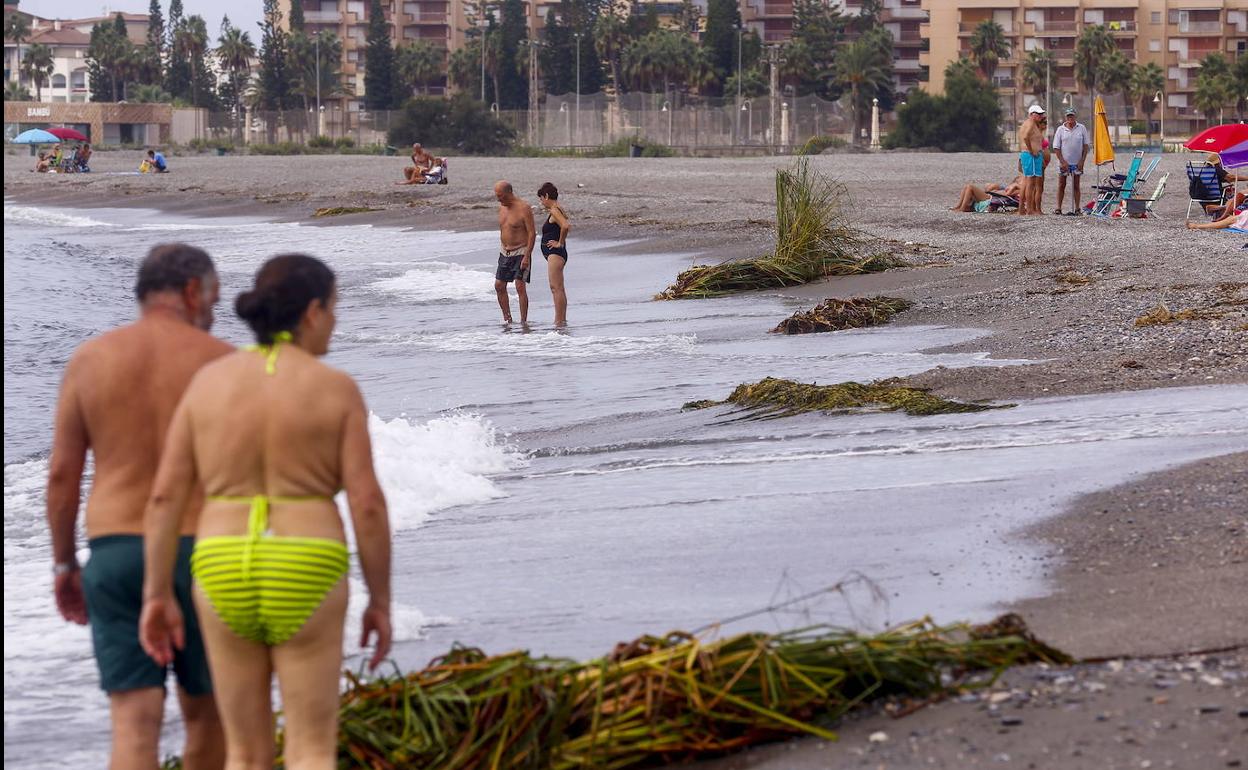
{"points": [[745, 107], [669, 111], [578, 86], [484, 30], [1157, 99], [737, 127], [318, 82]]}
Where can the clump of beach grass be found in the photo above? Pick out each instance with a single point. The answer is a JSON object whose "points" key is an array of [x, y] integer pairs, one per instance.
{"points": [[660, 699], [771, 397], [337, 211], [813, 240], [837, 314]]}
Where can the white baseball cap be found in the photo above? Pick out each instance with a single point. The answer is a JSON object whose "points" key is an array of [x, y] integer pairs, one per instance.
{"points": [[1035, 109]]}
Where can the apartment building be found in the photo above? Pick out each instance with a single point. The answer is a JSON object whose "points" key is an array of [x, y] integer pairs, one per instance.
{"points": [[773, 21], [68, 40], [1174, 34]]}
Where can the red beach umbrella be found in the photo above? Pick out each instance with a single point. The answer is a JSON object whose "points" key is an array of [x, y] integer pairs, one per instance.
{"points": [[1219, 138], [67, 134]]}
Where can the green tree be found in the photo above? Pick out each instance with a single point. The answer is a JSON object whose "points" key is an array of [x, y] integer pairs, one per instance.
{"points": [[753, 83], [463, 68], [274, 88], [858, 71], [719, 40], [379, 65], [154, 46], [190, 43], [1239, 87], [234, 54], [512, 89], [610, 39], [37, 66], [108, 57], [818, 29], [1115, 74], [967, 118], [16, 92], [989, 46], [149, 93], [1214, 87], [420, 65], [1095, 44], [296, 17], [1146, 83], [178, 73], [17, 29], [1037, 70], [664, 56], [558, 56], [461, 122]]}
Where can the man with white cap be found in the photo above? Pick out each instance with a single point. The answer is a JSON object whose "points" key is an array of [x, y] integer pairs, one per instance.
{"points": [[1031, 160], [1071, 142]]}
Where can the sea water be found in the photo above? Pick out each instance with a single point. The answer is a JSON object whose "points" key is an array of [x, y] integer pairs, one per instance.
{"points": [[545, 489]]}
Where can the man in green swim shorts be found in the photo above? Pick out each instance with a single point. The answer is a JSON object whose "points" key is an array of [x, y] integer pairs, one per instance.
{"points": [[117, 398]]}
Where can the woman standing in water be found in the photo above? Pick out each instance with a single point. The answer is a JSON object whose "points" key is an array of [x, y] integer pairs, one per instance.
{"points": [[272, 434], [554, 248]]}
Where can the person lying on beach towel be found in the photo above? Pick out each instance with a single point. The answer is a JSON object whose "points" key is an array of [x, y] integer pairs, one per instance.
{"points": [[1237, 221], [976, 198]]}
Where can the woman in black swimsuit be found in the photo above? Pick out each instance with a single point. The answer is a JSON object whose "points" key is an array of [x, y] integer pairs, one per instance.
{"points": [[554, 248]]}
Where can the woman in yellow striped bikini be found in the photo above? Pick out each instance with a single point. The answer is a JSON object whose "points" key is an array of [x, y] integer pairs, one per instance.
{"points": [[272, 434]]}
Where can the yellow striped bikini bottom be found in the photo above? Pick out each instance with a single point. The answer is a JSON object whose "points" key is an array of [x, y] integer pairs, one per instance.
{"points": [[265, 587]]}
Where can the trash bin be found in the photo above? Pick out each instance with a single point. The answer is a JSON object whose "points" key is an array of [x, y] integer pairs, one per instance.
{"points": [[634, 150], [390, 151], [220, 152]]}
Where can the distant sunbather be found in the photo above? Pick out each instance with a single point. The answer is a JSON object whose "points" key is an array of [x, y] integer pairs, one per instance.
{"points": [[976, 198]]}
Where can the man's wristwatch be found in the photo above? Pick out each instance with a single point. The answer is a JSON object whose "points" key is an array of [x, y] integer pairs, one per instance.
{"points": [[64, 567]]}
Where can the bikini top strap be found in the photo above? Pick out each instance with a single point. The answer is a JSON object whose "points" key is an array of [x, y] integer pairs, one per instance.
{"points": [[270, 351]]}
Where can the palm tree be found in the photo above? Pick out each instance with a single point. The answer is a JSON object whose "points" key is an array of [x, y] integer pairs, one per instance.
{"points": [[1148, 81], [1240, 86], [419, 65], [149, 93], [1212, 94], [857, 69], [989, 46], [702, 72], [17, 29], [797, 64], [1036, 71], [1094, 44], [464, 66], [1115, 74], [191, 41], [610, 38], [16, 92], [37, 67], [235, 52]]}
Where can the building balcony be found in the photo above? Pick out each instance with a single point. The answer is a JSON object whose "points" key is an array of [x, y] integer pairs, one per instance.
{"points": [[925, 58], [776, 10], [907, 65], [967, 28], [1121, 27], [1004, 83], [439, 19], [1065, 84], [777, 35], [925, 30], [322, 17], [908, 39], [904, 13], [1196, 28]]}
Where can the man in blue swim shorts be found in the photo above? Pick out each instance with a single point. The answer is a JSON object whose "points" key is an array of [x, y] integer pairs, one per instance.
{"points": [[1031, 160]]}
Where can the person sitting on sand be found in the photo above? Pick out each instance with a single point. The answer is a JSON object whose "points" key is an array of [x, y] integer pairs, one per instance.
{"points": [[42, 163], [84, 158], [155, 163], [422, 164], [976, 198], [1236, 220]]}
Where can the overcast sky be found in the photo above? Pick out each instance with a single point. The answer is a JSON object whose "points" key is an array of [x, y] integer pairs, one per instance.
{"points": [[242, 13]]}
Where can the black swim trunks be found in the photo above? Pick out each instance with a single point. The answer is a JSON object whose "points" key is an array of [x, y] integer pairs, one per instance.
{"points": [[112, 582], [509, 269]]}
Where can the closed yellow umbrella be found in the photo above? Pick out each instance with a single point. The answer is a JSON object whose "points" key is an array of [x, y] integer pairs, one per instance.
{"points": [[1103, 149]]}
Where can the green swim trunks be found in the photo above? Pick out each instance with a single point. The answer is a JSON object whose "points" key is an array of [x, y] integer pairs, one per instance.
{"points": [[113, 584]]}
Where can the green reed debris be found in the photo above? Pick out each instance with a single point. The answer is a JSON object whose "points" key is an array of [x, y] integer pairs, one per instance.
{"points": [[837, 314]]}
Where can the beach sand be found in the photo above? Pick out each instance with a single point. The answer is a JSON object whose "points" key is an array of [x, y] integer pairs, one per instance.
{"points": [[1154, 568]]}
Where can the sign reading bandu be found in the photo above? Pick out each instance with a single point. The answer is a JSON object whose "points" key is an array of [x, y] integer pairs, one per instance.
{"points": [[38, 112]]}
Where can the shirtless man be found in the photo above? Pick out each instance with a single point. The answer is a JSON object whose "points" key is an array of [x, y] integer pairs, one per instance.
{"points": [[516, 234], [422, 161], [116, 401], [1031, 160]]}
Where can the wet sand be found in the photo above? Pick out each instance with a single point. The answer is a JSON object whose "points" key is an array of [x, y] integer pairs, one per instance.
{"points": [[1155, 567]]}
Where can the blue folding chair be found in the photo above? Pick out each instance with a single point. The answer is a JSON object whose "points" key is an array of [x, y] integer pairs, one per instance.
{"points": [[1110, 196], [1203, 187]]}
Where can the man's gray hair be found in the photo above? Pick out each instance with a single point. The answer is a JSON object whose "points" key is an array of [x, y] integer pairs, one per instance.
{"points": [[171, 266]]}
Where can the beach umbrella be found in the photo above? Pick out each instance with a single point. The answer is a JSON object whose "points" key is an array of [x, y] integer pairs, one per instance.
{"points": [[1219, 138], [1103, 148], [1236, 156], [68, 134], [36, 136]]}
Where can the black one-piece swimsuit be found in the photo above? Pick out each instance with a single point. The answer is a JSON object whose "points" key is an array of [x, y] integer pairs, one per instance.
{"points": [[550, 232]]}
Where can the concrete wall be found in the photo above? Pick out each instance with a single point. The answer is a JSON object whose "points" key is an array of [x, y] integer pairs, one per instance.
{"points": [[152, 122]]}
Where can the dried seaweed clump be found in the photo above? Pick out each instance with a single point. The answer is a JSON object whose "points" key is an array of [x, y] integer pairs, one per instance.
{"points": [[813, 240], [771, 397], [836, 314], [1163, 315], [658, 700], [338, 211]]}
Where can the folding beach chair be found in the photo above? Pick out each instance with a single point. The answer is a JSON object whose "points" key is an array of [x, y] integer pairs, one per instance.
{"points": [[1110, 196], [1001, 202], [1142, 208], [1203, 187]]}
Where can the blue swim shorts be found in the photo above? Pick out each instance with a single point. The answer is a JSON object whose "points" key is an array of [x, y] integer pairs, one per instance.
{"points": [[1032, 165]]}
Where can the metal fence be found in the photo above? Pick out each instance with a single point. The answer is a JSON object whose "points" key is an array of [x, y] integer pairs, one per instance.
{"points": [[565, 120]]}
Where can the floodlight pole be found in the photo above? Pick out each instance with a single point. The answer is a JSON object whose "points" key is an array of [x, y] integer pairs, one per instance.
{"points": [[578, 86]]}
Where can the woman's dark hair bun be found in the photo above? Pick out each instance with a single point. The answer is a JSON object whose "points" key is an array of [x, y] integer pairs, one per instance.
{"points": [[285, 286]]}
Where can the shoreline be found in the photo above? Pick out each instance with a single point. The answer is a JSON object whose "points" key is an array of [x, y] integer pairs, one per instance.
{"points": [[1106, 598]]}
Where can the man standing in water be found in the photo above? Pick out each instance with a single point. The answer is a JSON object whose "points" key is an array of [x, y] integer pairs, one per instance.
{"points": [[116, 400], [516, 234]]}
